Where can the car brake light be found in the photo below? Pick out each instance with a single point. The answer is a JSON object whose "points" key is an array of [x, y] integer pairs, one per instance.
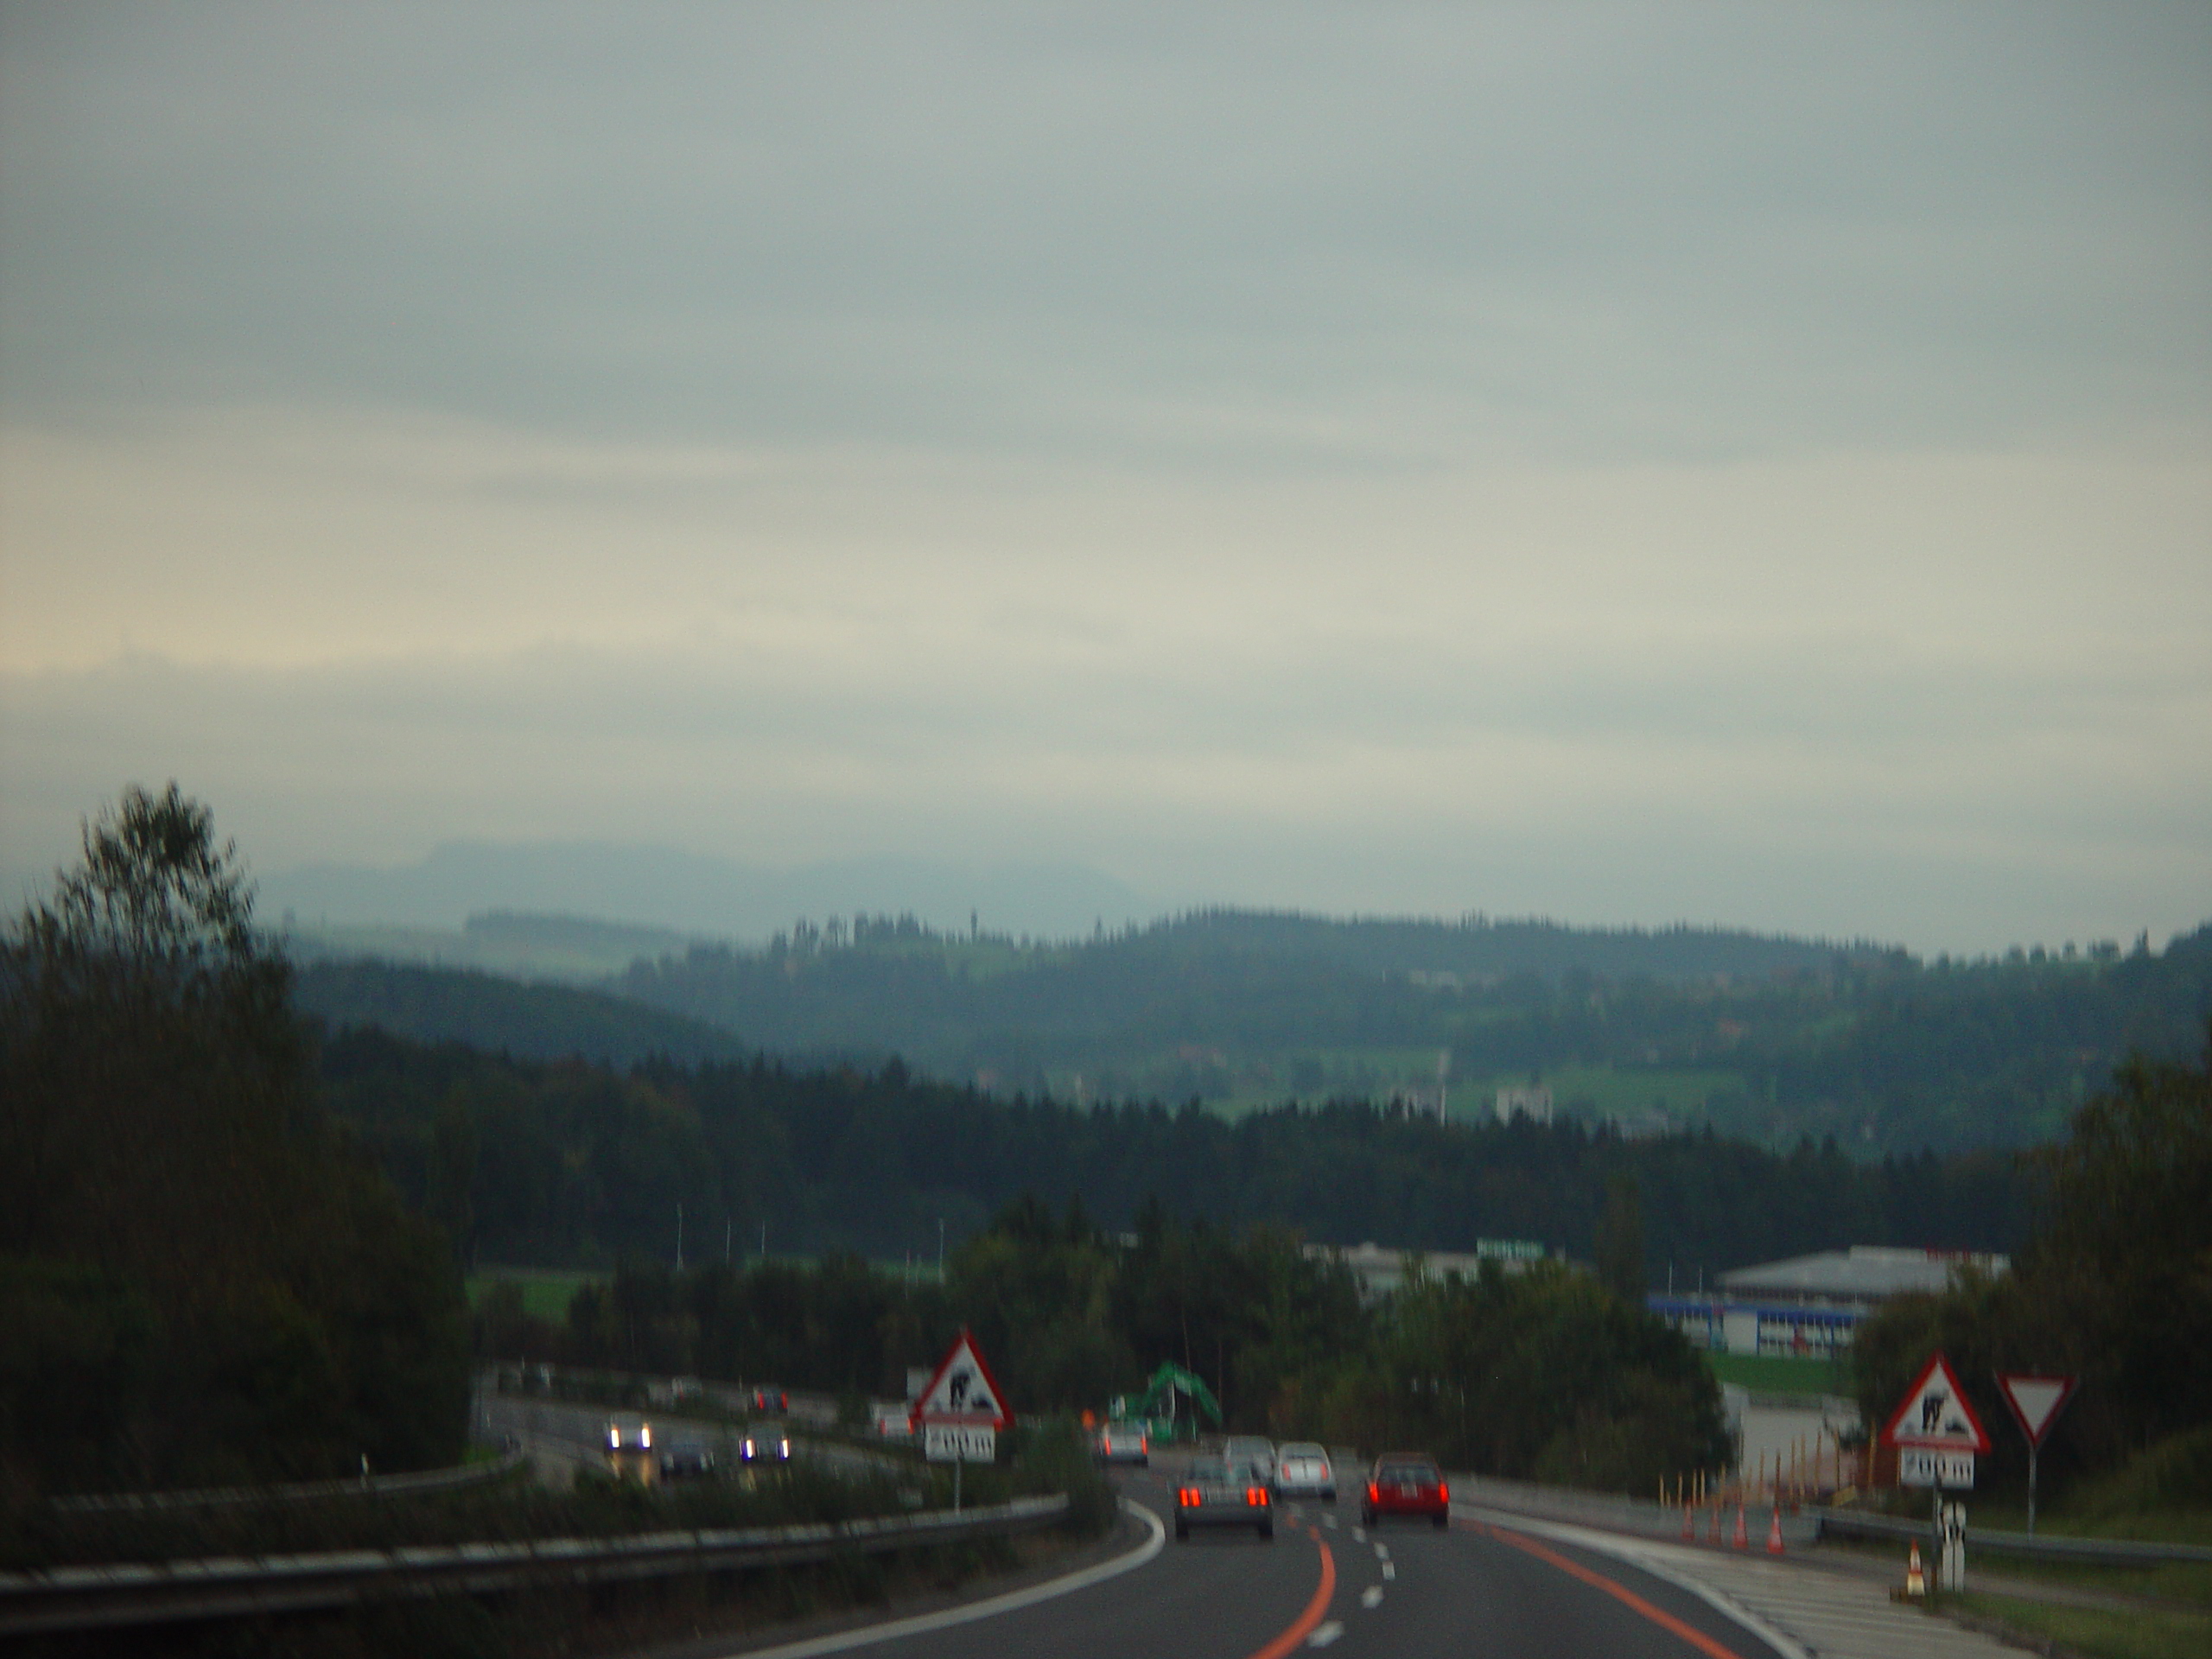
{"points": [[1256, 1494], [1443, 1492], [1187, 1496], [1374, 1493]]}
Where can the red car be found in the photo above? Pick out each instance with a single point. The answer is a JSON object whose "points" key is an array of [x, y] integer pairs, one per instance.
{"points": [[768, 1397], [1406, 1483]]}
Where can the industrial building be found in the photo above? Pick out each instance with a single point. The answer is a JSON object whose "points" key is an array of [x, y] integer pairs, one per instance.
{"points": [[1810, 1306], [1380, 1269]]}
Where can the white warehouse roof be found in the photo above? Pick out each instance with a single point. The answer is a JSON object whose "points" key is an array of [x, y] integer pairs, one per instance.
{"points": [[1865, 1272]]}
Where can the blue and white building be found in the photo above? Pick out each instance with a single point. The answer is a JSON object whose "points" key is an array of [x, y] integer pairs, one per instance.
{"points": [[1811, 1306]]}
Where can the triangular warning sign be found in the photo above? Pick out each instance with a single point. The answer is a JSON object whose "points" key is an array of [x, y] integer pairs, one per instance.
{"points": [[1936, 1414], [2036, 1401], [962, 1390]]}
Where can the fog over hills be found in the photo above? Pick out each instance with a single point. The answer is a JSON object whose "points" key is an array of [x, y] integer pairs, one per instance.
{"points": [[697, 894]]}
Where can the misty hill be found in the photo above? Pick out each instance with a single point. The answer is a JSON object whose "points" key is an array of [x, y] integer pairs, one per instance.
{"points": [[692, 894], [439, 1005], [572, 949]]}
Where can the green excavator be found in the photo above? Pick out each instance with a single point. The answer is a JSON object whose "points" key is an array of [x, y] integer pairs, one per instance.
{"points": [[1161, 1407]]}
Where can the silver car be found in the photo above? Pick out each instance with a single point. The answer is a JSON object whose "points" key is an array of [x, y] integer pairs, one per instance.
{"points": [[1255, 1452], [1218, 1493], [1303, 1470]]}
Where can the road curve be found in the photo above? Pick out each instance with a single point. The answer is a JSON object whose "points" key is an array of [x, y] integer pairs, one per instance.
{"points": [[1407, 1590]]}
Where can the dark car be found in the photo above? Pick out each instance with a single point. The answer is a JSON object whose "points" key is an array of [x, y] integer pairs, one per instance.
{"points": [[686, 1460], [1406, 1483], [767, 1396], [1215, 1493], [765, 1443]]}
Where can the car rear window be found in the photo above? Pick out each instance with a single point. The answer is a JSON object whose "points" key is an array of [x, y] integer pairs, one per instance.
{"points": [[1402, 1472]]}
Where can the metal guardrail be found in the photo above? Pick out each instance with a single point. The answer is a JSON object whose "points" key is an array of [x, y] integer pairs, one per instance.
{"points": [[426, 1480], [2112, 1552], [107, 1598]]}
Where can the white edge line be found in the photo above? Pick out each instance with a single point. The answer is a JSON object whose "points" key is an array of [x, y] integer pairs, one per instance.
{"points": [[1620, 1549], [923, 1623]]}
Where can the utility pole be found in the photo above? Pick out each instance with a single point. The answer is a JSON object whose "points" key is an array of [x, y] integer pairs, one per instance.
{"points": [[728, 1225], [679, 1235], [940, 1249]]}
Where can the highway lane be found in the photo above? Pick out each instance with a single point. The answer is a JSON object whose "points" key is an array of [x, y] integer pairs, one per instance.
{"points": [[1407, 1590]]}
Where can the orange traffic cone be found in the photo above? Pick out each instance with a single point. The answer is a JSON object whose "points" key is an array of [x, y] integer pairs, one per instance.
{"points": [[1916, 1581], [1774, 1533], [1742, 1539]]}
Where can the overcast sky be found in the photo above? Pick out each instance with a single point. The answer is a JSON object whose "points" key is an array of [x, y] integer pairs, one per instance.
{"points": [[1744, 464]]}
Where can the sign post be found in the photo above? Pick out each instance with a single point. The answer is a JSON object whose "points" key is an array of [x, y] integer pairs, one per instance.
{"points": [[1937, 1437], [961, 1412], [2035, 1403]]}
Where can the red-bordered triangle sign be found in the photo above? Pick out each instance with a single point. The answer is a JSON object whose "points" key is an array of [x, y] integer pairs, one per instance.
{"points": [[962, 1390], [1936, 1414], [2036, 1401]]}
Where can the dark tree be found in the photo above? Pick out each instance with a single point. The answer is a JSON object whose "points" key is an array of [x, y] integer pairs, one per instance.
{"points": [[1619, 1246], [250, 1298]]}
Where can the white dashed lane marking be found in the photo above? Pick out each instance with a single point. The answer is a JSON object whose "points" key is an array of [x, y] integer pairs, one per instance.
{"points": [[1330, 1522], [1324, 1634], [1381, 1550], [1371, 1598], [1388, 1571]]}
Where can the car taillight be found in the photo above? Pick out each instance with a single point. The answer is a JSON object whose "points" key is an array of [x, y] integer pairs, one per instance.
{"points": [[1443, 1492], [1256, 1494], [1374, 1493], [1187, 1496]]}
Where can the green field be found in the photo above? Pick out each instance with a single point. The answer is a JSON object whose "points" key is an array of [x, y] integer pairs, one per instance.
{"points": [[546, 1291], [1779, 1374]]}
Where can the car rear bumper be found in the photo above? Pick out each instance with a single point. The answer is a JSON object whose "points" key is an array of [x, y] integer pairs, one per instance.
{"points": [[1261, 1517]]}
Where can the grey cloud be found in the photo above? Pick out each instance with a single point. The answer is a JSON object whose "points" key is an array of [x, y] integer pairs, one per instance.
{"points": [[1605, 230]]}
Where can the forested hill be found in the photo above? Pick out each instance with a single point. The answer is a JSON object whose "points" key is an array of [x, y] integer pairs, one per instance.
{"points": [[574, 1163], [1773, 1040], [500, 1016], [1770, 1039]]}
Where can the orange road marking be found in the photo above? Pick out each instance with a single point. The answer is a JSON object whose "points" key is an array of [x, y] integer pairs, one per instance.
{"points": [[1620, 1593], [1314, 1609]]}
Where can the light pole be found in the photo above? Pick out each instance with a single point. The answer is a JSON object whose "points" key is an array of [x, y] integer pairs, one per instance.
{"points": [[679, 1235]]}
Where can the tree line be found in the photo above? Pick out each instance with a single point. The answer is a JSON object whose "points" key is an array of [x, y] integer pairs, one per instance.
{"points": [[570, 1163]]}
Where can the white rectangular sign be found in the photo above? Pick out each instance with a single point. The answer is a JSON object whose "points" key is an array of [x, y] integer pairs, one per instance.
{"points": [[959, 1443], [1919, 1466]]}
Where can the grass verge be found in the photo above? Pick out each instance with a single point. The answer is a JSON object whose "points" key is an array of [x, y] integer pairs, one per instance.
{"points": [[2156, 1633]]}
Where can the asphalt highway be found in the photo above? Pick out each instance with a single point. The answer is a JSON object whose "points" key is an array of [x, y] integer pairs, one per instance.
{"points": [[1405, 1591]]}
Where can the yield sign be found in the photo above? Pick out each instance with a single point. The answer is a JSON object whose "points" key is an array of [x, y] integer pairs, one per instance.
{"points": [[2036, 1401], [962, 1390], [1936, 1414]]}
